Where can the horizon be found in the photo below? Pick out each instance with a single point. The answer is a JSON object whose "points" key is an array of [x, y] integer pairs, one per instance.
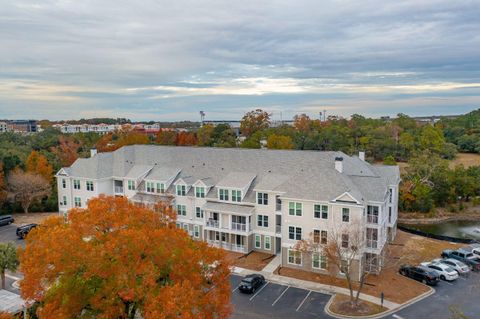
{"points": [[162, 61]]}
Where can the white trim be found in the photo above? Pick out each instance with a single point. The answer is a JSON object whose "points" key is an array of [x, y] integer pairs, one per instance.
{"points": [[348, 194], [259, 242], [265, 242], [288, 258]]}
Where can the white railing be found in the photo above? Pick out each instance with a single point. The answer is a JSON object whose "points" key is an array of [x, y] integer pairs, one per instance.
{"points": [[212, 223], [239, 248], [119, 189], [372, 243], [226, 246], [372, 219], [278, 229], [239, 226], [213, 243]]}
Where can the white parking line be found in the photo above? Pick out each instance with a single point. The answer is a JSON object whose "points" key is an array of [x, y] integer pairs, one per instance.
{"points": [[283, 292], [301, 304], [397, 317], [259, 291], [236, 288]]}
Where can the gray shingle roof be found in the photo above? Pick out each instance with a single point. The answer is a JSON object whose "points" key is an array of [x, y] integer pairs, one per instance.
{"points": [[227, 208], [162, 173], [137, 171], [296, 174], [236, 180]]}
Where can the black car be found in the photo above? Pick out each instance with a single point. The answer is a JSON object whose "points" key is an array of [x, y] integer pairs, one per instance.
{"points": [[23, 231], [420, 273], [251, 283], [6, 220]]}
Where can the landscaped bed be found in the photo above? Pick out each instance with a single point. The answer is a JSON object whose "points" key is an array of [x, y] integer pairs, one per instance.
{"points": [[341, 305], [409, 248], [254, 261]]}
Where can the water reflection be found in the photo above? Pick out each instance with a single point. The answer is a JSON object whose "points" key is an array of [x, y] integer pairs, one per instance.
{"points": [[459, 229]]}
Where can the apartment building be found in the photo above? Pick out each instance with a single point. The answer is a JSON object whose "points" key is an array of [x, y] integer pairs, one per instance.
{"points": [[246, 199]]}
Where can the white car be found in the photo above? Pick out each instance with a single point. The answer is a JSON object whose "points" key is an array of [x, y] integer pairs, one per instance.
{"points": [[444, 271], [457, 265]]}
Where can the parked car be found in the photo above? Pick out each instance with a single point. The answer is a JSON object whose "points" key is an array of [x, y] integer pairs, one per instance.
{"points": [[464, 256], [474, 249], [459, 267], [420, 273], [22, 231], [251, 283], [6, 220], [444, 271]]}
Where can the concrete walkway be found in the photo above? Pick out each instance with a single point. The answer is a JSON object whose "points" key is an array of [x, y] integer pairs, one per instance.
{"points": [[273, 264], [310, 285]]}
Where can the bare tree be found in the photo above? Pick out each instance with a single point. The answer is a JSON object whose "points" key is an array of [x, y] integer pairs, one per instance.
{"points": [[345, 248], [26, 188]]}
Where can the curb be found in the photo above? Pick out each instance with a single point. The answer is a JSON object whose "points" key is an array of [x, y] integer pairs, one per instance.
{"points": [[382, 314]]}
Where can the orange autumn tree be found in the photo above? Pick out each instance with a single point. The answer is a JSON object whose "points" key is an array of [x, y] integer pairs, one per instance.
{"points": [[38, 164], [67, 150], [114, 259]]}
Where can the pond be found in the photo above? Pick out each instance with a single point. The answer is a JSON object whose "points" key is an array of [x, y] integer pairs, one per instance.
{"points": [[458, 229]]}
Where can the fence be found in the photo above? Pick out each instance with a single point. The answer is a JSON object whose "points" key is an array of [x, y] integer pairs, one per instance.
{"points": [[439, 237]]}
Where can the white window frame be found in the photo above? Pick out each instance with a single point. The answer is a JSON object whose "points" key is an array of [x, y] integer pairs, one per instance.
{"points": [[345, 210], [181, 210], [131, 185], [64, 183], [295, 232], [77, 201], [196, 231], [200, 192], [261, 221], [198, 210], [265, 241], [321, 259], [259, 242], [181, 190], [160, 188], [295, 252], [64, 200], [76, 184], [295, 208], [262, 198], [236, 195], [223, 194]]}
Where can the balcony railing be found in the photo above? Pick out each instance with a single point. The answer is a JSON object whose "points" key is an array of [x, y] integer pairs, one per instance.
{"points": [[118, 189], [278, 207], [278, 229], [239, 248], [371, 243], [372, 219], [213, 223], [239, 226]]}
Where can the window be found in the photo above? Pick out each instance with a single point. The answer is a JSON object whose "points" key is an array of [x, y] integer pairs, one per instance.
{"points": [[295, 209], [198, 212], [182, 210], [267, 244], [200, 192], [185, 227], [344, 240], [64, 183], [131, 185], [196, 231], [258, 243], [343, 266], [89, 185], [316, 236], [236, 196], [76, 184], [294, 257], [323, 237], [262, 220], [78, 202], [160, 188], [319, 261], [372, 214], [181, 190], [150, 187], [262, 198], [223, 194], [320, 211], [294, 233], [390, 195], [64, 201], [345, 215], [389, 214]]}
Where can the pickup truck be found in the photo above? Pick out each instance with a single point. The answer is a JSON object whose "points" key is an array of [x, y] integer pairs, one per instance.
{"points": [[464, 256]]}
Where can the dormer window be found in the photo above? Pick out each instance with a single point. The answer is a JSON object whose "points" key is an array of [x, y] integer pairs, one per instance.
{"points": [[181, 190], [131, 185], [223, 194], [150, 187], [200, 192], [236, 195], [160, 188]]}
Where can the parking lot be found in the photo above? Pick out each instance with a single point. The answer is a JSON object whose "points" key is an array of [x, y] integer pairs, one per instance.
{"points": [[7, 234], [277, 301]]}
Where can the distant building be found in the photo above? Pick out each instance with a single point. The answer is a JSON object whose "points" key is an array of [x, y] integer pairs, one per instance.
{"points": [[235, 125], [3, 127], [22, 126], [102, 128]]}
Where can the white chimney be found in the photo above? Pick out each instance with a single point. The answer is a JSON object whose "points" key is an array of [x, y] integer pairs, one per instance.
{"points": [[339, 164], [361, 155], [93, 152]]}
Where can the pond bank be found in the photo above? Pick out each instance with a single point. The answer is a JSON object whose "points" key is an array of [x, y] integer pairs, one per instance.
{"points": [[438, 220]]}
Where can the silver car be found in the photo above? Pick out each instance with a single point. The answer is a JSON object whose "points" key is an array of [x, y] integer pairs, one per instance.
{"points": [[457, 265]]}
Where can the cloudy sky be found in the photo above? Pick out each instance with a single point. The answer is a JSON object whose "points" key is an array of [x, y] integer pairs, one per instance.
{"points": [[167, 60]]}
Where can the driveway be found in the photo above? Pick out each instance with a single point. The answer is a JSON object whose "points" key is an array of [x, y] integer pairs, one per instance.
{"points": [[277, 301]]}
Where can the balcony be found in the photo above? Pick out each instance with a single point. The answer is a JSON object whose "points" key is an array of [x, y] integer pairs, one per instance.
{"points": [[238, 248], [118, 189], [213, 223], [239, 226], [372, 219], [371, 243], [278, 229]]}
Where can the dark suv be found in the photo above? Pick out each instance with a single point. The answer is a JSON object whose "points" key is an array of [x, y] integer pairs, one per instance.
{"points": [[6, 220], [23, 231], [420, 273], [251, 283]]}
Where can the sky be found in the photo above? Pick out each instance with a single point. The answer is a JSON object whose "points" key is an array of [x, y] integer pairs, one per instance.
{"points": [[168, 60]]}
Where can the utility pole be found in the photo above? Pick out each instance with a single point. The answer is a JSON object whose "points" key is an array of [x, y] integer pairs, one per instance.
{"points": [[202, 117]]}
